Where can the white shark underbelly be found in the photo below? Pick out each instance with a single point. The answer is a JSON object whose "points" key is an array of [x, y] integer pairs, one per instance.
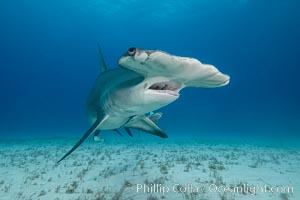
{"points": [[124, 94]]}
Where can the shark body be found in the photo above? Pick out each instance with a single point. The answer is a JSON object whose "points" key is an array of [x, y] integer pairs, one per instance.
{"points": [[146, 81]]}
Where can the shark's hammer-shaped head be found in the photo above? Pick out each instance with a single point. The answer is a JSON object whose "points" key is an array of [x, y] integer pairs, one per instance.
{"points": [[158, 85], [176, 71], [144, 62]]}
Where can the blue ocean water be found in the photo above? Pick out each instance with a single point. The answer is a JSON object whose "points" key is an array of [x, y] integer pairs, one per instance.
{"points": [[49, 62]]}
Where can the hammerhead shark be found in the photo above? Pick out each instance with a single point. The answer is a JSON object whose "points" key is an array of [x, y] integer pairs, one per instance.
{"points": [[146, 80]]}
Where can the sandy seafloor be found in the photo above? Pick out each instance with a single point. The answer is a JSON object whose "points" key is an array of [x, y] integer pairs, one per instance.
{"points": [[117, 168]]}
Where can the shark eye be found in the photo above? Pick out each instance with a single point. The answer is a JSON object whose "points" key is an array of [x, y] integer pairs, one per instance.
{"points": [[131, 51]]}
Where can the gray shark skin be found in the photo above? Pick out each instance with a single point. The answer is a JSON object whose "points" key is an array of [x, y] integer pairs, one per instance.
{"points": [[147, 80]]}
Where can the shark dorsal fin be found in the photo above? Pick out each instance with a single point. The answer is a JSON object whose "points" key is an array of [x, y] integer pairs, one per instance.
{"points": [[103, 66]]}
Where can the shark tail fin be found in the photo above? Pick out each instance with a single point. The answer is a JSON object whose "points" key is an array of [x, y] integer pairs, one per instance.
{"points": [[103, 66], [96, 124]]}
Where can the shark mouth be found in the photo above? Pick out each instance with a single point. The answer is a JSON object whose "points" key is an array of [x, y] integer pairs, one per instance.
{"points": [[171, 88]]}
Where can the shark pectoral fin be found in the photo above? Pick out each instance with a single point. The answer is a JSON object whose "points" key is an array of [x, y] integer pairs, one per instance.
{"points": [[96, 124], [206, 76], [155, 117], [145, 124]]}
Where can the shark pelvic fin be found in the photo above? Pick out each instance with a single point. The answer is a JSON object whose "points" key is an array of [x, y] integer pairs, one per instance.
{"points": [[155, 117], [145, 124], [117, 130], [103, 66], [96, 124], [128, 132]]}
